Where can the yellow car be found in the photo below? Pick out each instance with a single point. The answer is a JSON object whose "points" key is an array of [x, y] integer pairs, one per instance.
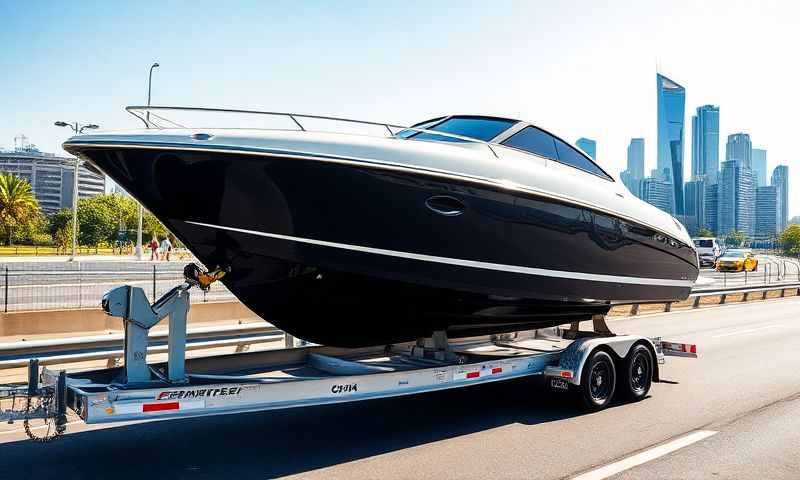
{"points": [[737, 261]]}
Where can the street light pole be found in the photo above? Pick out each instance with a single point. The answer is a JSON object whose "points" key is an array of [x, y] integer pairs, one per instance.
{"points": [[139, 252], [77, 128]]}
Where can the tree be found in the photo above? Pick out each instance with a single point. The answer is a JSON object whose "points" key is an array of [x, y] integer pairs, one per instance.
{"points": [[152, 226], [18, 205], [101, 217], [704, 232], [734, 238], [790, 240], [61, 228]]}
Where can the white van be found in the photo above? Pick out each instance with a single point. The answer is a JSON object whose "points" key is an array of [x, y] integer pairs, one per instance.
{"points": [[708, 250]]}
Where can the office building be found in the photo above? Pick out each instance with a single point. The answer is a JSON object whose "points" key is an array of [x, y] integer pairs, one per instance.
{"points": [[51, 177], [737, 199], [711, 208], [657, 192], [705, 144], [589, 146], [671, 102], [694, 202], [780, 180], [739, 150], [633, 175], [758, 158], [766, 211]]}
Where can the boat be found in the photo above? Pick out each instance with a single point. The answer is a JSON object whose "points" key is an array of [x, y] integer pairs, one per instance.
{"points": [[465, 224]]}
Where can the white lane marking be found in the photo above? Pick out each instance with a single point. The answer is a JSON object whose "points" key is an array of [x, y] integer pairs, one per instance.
{"points": [[749, 330], [646, 456], [461, 262], [9, 432]]}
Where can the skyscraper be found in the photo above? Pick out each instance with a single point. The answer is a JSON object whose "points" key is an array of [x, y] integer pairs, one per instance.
{"points": [[766, 211], [780, 179], [671, 102], [589, 146], [694, 203], [705, 144], [633, 175], [739, 149], [711, 205], [759, 160], [737, 199], [657, 192]]}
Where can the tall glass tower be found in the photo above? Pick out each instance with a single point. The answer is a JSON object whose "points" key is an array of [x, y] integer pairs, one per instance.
{"points": [[633, 175], [739, 149], [780, 179], [705, 144], [671, 102], [759, 160]]}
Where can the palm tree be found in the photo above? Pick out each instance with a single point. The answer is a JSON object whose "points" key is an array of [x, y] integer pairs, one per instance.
{"points": [[18, 205]]}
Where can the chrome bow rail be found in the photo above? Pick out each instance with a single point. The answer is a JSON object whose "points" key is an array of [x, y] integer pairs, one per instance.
{"points": [[147, 114]]}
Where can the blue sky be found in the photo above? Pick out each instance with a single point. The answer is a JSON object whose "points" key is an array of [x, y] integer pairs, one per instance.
{"points": [[576, 68]]}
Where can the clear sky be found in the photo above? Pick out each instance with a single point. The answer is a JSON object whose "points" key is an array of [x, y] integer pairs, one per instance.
{"points": [[576, 68]]}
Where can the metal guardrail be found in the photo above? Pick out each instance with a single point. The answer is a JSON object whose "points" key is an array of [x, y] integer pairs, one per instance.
{"points": [[109, 347], [697, 296]]}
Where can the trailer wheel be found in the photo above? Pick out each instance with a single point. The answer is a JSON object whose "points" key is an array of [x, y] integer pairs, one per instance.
{"points": [[638, 373], [598, 381]]}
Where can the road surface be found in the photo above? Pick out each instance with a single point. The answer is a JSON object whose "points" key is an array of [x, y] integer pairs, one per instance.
{"points": [[732, 413]]}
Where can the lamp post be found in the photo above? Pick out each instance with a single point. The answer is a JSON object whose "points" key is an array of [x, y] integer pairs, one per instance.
{"points": [[139, 252], [78, 129]]}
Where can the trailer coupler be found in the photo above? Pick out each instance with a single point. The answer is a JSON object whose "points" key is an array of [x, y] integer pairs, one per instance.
{"points": [[34, 401]]}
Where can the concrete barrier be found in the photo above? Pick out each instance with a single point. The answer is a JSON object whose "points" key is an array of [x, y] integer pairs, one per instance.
{"points": [[94, 319]]}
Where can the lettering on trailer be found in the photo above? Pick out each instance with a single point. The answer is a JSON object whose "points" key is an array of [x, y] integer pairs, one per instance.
{"points": [[346, 388], [203, 392]]}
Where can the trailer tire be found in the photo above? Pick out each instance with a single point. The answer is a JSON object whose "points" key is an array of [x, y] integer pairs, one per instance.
{"points": [[598, 381], [637, 376]]}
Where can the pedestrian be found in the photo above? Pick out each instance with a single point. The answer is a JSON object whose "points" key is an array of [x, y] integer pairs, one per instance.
{"points": [[166, 248], [154, 248]]}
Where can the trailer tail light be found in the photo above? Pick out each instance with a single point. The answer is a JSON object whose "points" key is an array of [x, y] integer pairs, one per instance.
{"points": [[679, 349]]}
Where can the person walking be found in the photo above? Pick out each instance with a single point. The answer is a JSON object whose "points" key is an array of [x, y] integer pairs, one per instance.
{"points": [[166, 248], [154, 248]]}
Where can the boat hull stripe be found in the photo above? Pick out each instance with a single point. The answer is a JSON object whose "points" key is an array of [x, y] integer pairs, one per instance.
{"points": [[594, 277]]}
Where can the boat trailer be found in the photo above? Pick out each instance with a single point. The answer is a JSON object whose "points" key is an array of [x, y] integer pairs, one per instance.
{"points": [[316, 374]]}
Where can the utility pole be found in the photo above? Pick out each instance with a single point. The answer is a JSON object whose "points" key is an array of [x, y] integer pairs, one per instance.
{"points": [[139, 251], [78, 129]]}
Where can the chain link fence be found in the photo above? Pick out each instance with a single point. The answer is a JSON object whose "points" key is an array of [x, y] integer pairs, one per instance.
{"points": [[62, 285]]}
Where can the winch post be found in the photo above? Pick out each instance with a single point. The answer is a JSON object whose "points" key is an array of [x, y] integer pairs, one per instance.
{"points": [[131, 304]]}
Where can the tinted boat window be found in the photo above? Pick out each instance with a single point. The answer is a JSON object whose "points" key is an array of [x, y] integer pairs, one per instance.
{"points": [[474, 127], [533, 140], [570, 156], [421, 126]]}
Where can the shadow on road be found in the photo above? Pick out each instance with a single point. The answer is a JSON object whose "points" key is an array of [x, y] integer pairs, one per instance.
{"points": [[270, 444]]}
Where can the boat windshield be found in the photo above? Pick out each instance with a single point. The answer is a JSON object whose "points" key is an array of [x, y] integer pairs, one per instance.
{"points": [[479, 128]]}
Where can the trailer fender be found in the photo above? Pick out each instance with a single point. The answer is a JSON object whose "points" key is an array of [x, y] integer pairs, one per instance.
{"points": [[574, 357]]}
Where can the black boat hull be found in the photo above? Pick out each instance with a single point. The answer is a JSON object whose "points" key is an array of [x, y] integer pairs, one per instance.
{"points": [[352, 254]]}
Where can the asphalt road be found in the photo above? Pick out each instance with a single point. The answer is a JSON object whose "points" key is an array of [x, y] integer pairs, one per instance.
{"points": [[745, 388]]}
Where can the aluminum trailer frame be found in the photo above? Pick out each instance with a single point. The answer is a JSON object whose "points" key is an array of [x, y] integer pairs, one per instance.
{"points": [[312, 375]]}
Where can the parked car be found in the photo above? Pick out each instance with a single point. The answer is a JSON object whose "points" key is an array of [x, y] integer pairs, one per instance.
{"points": [[708, 250], [737, 261]]}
